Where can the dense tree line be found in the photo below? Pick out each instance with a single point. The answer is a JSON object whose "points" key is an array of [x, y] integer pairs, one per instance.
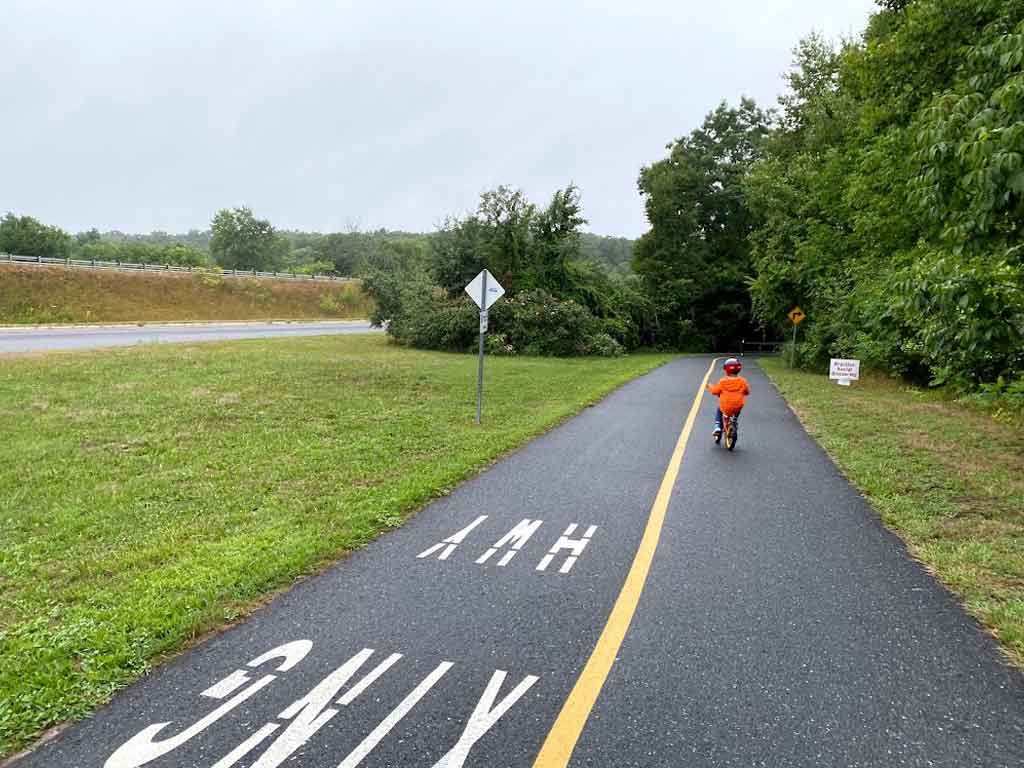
{"points": [[890, 195], [884, 196]]}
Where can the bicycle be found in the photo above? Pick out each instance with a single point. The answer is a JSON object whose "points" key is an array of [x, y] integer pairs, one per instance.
{"points": [[729, 431]]}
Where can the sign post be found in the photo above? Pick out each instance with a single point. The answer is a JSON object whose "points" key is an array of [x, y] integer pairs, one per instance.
{"points": [[483, 332], [484, 290], [796, 316]]}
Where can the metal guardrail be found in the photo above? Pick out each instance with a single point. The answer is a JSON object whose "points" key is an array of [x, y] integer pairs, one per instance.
{"points": [[759, 346], [127, 266]]}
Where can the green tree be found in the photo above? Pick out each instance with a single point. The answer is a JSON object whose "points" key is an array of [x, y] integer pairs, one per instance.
{"points": [[890, 195], [894, 5], [614, 254], [179, 254], [525, 247], [967, 284], [87, 238], [505, 217], [554, 243], [346, 251], [25, 236], [801, 246], [695, 259], [457, 253], [241, 241]]}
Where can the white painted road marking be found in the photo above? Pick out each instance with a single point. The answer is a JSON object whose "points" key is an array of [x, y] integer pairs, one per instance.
{"points": [[312, 712], [452, 541], [389, 722], [514, 541], [369, 680], [292, 653], [484, 716], [141, 748], [228, 685], [517, 537], [576, 546], [245, 747]]}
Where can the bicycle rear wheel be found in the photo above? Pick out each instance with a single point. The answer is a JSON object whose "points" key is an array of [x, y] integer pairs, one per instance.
{"points": [[731, 436]]}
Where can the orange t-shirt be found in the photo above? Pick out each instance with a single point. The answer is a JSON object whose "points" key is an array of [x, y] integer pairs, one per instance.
{"points": [[732, 392]]}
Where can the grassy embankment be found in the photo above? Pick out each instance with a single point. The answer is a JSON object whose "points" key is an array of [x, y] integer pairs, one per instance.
{"points": [[149, 495], [947, 479], [34, 295]]}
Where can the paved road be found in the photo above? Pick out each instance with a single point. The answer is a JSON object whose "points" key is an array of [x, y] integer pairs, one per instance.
{"points": [[780, 625], [44, 339]]}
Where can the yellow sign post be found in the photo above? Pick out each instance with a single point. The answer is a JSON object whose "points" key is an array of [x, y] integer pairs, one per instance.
{"points": [[796, 316]]}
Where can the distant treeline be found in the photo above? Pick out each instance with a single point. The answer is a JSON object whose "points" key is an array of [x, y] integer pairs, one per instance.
{"points": [[238, 240]]}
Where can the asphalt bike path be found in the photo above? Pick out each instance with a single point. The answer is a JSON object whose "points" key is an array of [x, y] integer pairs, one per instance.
{"points": [[776, 623], [783, 625], [19, 340]]}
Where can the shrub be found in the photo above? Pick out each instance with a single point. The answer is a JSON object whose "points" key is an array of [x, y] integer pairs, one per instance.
{"points": [[536, 323], [427, 319], [530, 323], [603, 345], [328, 304]]}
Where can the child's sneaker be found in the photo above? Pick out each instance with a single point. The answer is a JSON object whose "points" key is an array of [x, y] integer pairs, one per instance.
{"points": [[717, 432]]}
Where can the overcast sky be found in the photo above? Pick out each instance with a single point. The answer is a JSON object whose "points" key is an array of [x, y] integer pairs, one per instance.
{"points": [[327, 115]]}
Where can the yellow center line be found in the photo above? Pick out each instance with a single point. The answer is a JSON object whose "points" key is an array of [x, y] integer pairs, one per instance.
{"points": [[564, 734]]}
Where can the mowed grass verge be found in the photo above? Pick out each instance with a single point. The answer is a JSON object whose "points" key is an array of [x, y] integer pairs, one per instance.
{"points": [[149, 495], [948, 479]]}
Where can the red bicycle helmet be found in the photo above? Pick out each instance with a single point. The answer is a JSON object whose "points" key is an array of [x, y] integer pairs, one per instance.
{"points": [[732, 365]]}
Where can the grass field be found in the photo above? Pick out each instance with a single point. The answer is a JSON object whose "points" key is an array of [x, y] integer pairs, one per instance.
{"points": [[35, 295], [151, 494], [949, 480]]}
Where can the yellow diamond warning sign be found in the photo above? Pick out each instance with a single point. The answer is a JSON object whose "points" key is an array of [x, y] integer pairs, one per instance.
{"points": [[796, 315]]}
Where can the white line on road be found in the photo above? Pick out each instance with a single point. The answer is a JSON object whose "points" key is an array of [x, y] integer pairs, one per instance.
{"points": [[389, 722], [452, 541], [517, 537], [575, 546]]}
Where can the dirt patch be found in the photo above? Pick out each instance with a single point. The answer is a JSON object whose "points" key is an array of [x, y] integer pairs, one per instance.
{"points": [[932, 408], [967, 460], [979, 528], [980, 423], [125, 446], [33, 355], [1002, 583], [230, 398]]}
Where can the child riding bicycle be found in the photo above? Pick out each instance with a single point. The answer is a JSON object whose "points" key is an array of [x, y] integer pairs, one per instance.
{"points": [[731, 391]]}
